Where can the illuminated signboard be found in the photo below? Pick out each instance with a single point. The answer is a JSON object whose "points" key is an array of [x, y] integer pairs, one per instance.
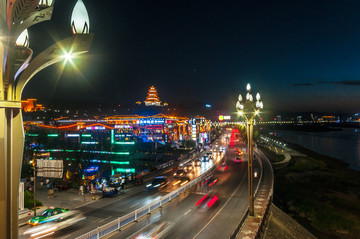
{"points": [[224, 117], [123, 126], [153, 127], [95, 128], [193, 130], [125, 170], [123, 135], [152, 121], [73, 135], [126, 143], [91, 169]]}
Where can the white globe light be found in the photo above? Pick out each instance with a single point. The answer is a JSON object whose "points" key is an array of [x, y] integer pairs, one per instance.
{"points": [[247, 96], [80, 23], [251, 97], [47, 3], [257, 96], [248, 87], [240, 97], [23, 39]]}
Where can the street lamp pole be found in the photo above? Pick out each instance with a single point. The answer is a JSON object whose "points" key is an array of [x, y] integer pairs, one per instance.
{"points": [[249, 110], [16, 69]]}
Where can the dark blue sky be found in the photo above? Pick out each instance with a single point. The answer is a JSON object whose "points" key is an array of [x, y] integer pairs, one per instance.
{"points": [[300, 55]]}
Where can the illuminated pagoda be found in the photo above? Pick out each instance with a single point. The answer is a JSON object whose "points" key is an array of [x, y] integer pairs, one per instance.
{"points": [[152, 98]]}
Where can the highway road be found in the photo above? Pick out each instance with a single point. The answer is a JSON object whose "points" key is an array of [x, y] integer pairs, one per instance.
{"points": [[183, 219], [109, 209]]}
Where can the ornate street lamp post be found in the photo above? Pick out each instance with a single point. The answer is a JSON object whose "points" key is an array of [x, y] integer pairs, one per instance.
{"points": [[16, 69], [249, 109]]}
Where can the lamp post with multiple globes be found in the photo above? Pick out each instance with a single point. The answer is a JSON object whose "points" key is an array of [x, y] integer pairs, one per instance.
{"points": [[17, 68], [249, 109]]}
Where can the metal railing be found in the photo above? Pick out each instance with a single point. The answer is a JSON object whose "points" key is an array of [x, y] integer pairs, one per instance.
{"points": [[140, 212]]}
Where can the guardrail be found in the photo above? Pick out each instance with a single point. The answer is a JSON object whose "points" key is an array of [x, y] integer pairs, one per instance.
{"points": [[253, 227], [135, 215], [245, 214]]}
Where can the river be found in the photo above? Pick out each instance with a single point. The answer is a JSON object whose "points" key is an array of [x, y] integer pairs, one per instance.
{"points": [[344, 145]]}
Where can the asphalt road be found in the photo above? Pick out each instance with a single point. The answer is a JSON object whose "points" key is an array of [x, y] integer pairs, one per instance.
{"points": [[109, 209], [183, 219]]}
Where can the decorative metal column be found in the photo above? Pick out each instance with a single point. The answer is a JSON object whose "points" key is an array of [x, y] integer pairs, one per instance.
{"points": [[249, 109], [17, 68]]}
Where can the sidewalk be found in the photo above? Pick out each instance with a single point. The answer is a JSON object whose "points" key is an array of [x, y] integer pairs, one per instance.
{"points": [[71, 199], [67, 199]]}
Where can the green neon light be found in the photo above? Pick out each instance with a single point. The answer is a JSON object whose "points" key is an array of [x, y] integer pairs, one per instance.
{"points": [[85, 151], [125, 170], [128, 143], [53, 135], [86, 135], [89, 142], [112, 136], [117, 162]]}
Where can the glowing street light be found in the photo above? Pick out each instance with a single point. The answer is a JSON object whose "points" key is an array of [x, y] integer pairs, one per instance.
{"points": [[249, 110], [18, 67]]}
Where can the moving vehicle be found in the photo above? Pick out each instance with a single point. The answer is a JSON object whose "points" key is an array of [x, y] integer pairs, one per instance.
{"points": [[158, 183], [64, 220], [223, 167], [159, 231], [188, 168], [256, 172], [181, 181], [238, 160], [180, 173], [208, 201], [205, 158], [49, 215], [210, 181]]}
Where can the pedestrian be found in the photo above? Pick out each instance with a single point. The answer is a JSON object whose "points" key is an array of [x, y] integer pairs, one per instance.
{"points": [[42, 182], [88, 188], [123, 182], [81, 190]]}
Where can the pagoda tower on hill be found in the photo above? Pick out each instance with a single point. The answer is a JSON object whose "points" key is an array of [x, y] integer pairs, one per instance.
{"points": [[152, 98]]}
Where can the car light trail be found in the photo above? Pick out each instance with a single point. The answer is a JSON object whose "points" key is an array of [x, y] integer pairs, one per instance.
{"points": [[202, 199], [212, 201], [215, 181], [176, 183]]}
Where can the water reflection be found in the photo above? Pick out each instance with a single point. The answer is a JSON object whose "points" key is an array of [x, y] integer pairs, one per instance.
{"points": [[344, 145]]}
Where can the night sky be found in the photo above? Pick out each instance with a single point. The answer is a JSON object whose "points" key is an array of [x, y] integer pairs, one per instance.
{"points": [[300, 55]]}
